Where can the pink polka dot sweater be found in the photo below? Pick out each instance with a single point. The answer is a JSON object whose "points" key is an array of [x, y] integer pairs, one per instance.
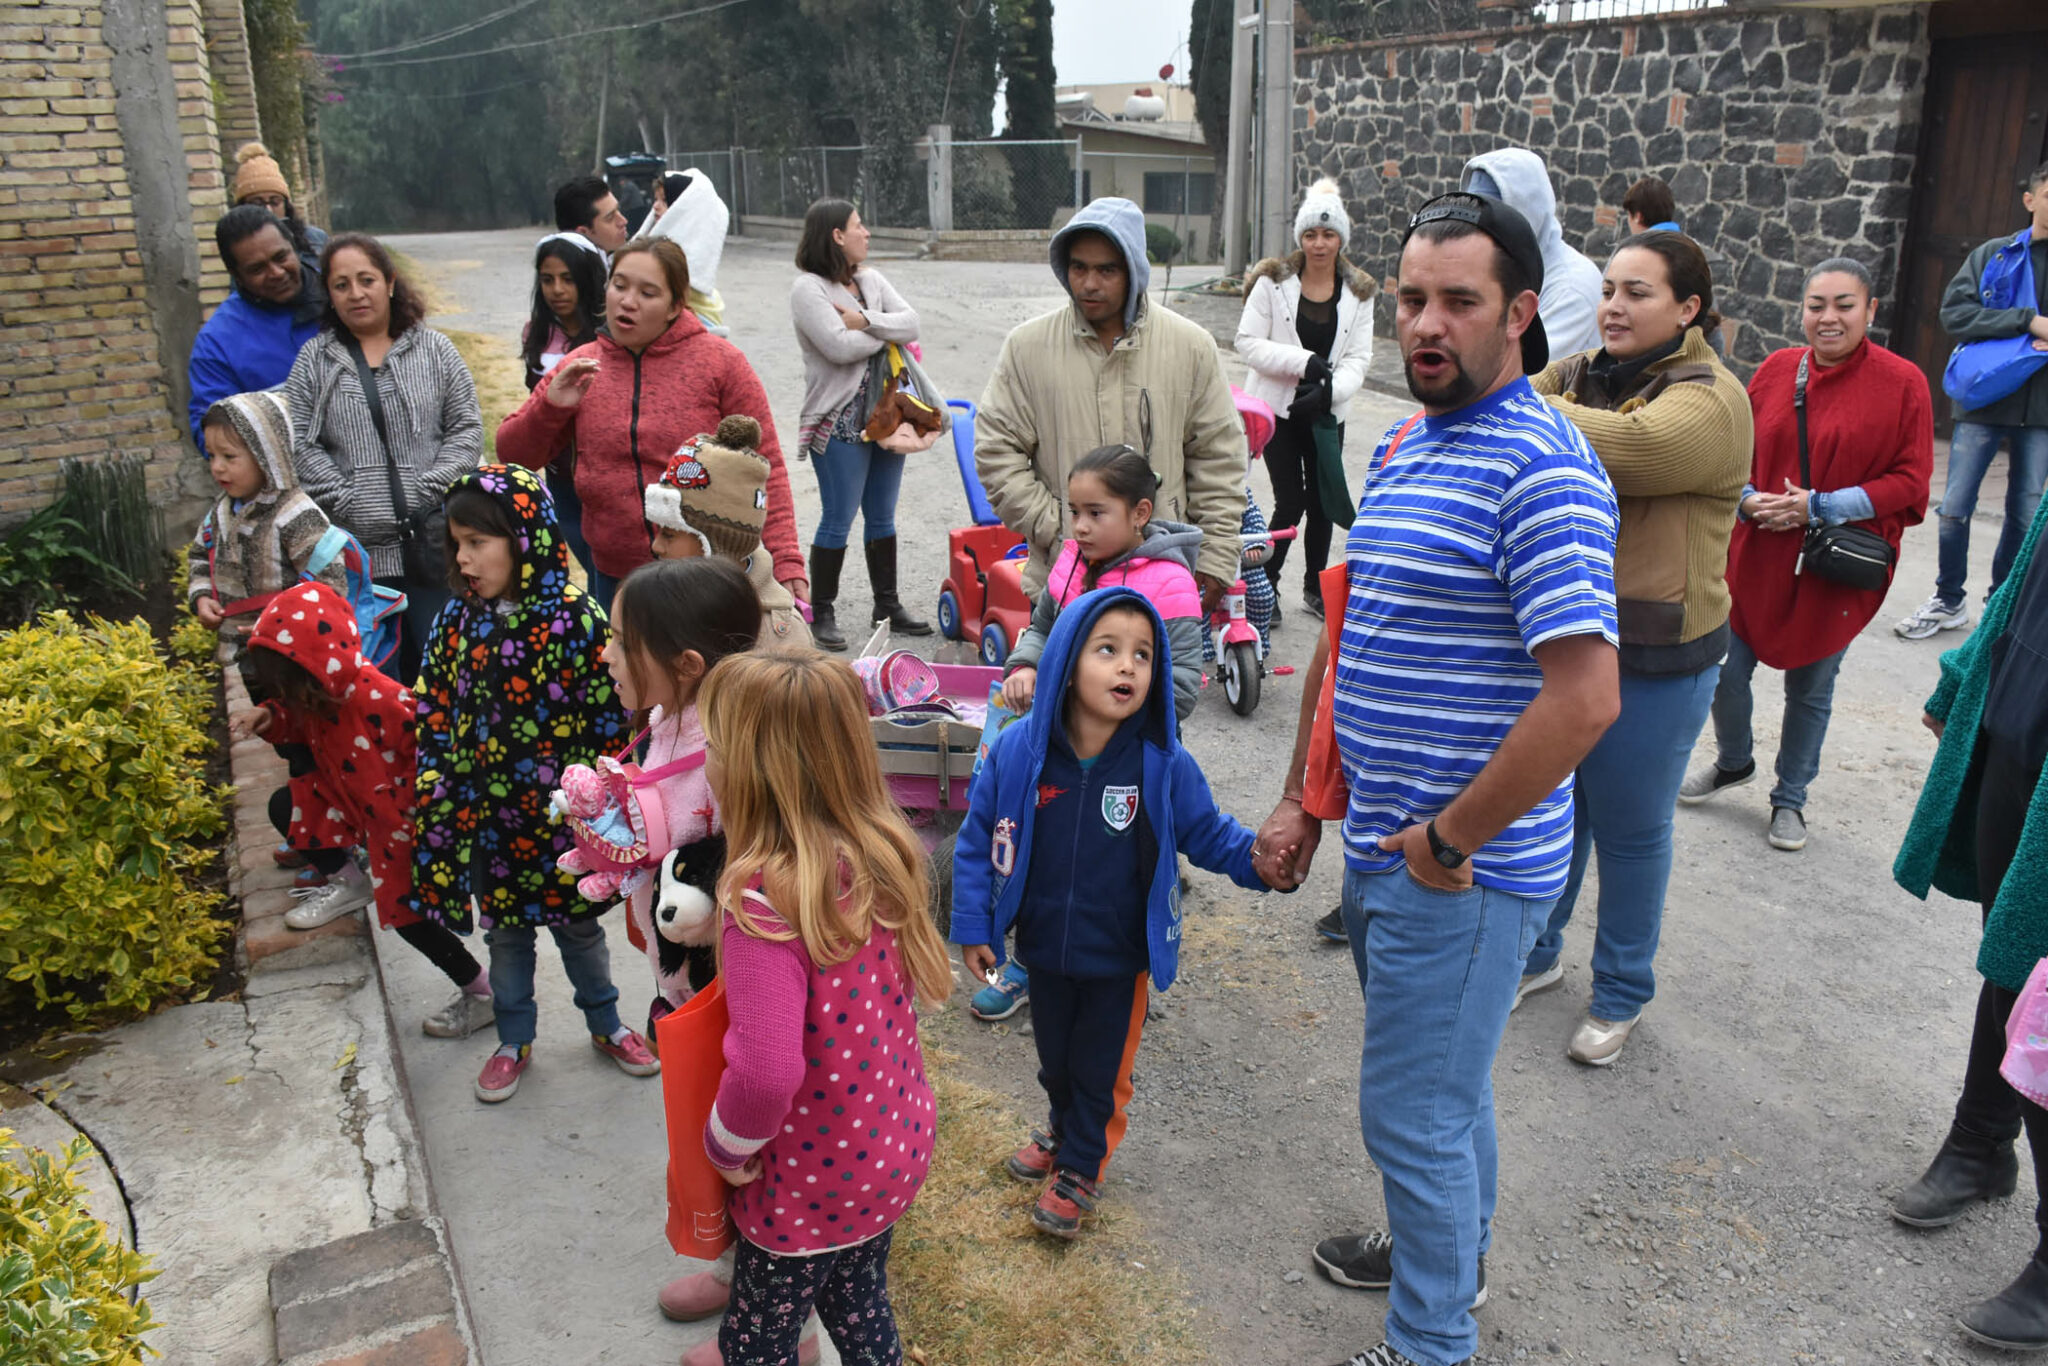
{"points": [[824, 1080]]}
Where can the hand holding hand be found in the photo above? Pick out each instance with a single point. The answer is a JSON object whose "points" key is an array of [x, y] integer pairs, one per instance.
{"points": [[743, 1175], [1412, 843], [1019, 688], [207, 609], [1285, 845], [978, 959], [571, 381]]}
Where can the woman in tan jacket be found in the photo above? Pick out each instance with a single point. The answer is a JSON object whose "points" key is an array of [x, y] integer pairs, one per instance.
{"points": [[1672, 426]]}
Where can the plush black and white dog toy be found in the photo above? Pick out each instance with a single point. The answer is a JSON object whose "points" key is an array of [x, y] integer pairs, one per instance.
{"points": [[685, 902]]}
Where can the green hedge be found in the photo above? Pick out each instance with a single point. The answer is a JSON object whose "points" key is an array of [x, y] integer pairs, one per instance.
{"points": [[64, 1280], [105, 817]]}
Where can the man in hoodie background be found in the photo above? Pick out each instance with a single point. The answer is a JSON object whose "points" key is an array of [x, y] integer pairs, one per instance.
{"points": [[1571, 283], [1111, 368]]}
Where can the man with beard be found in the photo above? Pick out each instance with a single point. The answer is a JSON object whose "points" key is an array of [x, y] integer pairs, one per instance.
{"points": [[252, 339], [1475, 665]]}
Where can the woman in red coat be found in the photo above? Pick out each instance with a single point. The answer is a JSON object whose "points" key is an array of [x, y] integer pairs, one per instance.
{"points": [[1870, 439], [629, 400]]}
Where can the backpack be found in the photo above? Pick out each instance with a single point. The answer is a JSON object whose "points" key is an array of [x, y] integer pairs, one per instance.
{"points": [[376, 607], [614, 812]]}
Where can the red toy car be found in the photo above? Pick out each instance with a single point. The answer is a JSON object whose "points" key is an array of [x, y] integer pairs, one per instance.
{"points": [[983, 599]]}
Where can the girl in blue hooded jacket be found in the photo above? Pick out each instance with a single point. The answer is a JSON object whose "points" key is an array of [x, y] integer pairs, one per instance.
{"points": [[1092, 778]]}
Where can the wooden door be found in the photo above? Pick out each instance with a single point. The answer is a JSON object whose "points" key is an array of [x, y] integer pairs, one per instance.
{"points": [[1985, 127]]}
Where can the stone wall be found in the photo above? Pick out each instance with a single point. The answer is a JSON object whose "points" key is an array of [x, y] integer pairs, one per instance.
{"points": [[83, 346], [1787, 137]]}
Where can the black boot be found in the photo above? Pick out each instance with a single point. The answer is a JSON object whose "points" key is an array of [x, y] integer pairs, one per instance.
{"points": [[882, 578], [1966, 1170], [826, 562], [2016, 1318]]}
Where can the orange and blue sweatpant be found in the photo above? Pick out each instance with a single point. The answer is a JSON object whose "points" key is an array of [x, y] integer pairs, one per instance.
{"points": [[1086, 1029]]}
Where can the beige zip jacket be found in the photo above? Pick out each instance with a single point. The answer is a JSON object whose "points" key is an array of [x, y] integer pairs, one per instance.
{"points": [[1056, 394]]}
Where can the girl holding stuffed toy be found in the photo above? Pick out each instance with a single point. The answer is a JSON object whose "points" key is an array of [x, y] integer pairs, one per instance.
{"points": [[511, 693], [671, 622], [824, 941]]}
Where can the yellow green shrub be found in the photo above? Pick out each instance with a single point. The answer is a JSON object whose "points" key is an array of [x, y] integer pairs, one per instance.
{"points": [[103, 807], [65, 1280]]}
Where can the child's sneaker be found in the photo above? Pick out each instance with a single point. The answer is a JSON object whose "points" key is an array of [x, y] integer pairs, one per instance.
{"points": [[502, 1070], [1003, 997], [698, 1295], [1032, 1163], [337, 899], [629, 1051], [461, 1017], [1067, 1197], [284, 856]]}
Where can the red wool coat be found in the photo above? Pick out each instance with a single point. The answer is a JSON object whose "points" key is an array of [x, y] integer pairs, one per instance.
{"points": [[1869, 422], [631, 420], [361, 792]]}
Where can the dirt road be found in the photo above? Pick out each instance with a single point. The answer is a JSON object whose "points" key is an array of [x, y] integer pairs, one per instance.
{"points": [[1715, 1197]]}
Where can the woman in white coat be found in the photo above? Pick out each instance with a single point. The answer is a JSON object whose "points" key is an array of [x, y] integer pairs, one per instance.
{"points": [[1306, 333]]}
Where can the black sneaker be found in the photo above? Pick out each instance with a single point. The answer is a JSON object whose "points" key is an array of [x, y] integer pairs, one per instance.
{"points": [[1313, 601], [1331, 927], [1382, 1355], [1365, 1261]]}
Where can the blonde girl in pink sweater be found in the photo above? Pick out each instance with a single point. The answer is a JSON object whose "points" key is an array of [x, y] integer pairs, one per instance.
{"points": [[823, 1121]]}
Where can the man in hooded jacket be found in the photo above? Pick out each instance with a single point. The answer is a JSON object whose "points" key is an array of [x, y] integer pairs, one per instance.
{"points": [[1571, 283], [1110, 367]]}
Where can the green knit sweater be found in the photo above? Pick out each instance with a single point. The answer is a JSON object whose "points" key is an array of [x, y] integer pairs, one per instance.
{"points": [[1940, 848]]}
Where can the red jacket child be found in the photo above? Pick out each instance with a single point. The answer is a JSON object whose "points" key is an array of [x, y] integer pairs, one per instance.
{"points": [[361, 791]]}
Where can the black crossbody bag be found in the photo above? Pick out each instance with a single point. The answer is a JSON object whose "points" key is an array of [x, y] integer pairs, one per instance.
{"points": [[422, 539], [1852, 556]]}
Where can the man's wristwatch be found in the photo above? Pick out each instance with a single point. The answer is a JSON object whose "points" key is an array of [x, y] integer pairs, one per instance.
{"points": [[1447, 855]]}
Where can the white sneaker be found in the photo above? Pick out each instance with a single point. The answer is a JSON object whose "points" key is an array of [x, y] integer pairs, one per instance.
{"points": [[1932, 616], [1533, 982], [1597, 1042], [461, 1017], [331, 902]]}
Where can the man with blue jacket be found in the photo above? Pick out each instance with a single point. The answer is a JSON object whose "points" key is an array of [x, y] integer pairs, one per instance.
{"points": [[275, 307], [1072, 836], [1987, 300]]}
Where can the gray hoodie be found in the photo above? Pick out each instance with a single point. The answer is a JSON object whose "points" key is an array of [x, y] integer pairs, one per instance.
{"points": [[1571, 283], [1123, 223]]}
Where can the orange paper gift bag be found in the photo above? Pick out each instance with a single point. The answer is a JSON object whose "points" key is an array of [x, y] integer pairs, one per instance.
{"points": [[692, 1042]]}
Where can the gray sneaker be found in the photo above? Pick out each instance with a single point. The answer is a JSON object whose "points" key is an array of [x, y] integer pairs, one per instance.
{"points": [[1711, 781], [1931, 616], [461, 1017], [1788, 829], [1533, 982]]}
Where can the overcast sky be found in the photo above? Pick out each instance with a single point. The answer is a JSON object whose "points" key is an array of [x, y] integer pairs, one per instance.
{"points": [[1103, 41]]}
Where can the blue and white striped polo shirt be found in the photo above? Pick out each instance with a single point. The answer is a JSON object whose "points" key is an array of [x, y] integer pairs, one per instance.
{"points": [[1490, 532]]}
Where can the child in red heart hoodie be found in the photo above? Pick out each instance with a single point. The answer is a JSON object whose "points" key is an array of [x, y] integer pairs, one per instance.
{"points": [[313, 688]]}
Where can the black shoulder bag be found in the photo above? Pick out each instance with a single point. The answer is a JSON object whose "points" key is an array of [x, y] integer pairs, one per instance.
{"points": [[1852, 556], [422, 538]]}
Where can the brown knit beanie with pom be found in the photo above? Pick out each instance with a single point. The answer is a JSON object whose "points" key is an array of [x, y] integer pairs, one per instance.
{"points": [[715, 487], [256, 172]]}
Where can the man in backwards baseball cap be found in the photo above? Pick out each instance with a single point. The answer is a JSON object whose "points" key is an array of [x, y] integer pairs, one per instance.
{"points": [[1475, 669]]}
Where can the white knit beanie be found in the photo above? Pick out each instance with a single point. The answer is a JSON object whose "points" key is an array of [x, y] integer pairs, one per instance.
{"points": [[1323, 207]]}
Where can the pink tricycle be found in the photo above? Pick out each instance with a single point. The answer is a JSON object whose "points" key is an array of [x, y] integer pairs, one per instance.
{"points": [[1240, 651]]}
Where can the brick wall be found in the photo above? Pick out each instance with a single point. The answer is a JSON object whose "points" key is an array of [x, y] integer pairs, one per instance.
{"points": [[234, 83], [80, 370], [1787, 137]]}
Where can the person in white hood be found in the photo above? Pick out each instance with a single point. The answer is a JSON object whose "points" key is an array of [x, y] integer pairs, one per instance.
{"points": [[1571, 283], [688, 212]]}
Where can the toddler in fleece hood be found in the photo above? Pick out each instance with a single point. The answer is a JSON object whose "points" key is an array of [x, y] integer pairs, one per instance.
{"points": [[1571, 283]]}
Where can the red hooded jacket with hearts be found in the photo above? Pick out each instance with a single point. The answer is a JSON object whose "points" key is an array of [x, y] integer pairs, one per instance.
{"points": [[361, 790], [637, 411]]}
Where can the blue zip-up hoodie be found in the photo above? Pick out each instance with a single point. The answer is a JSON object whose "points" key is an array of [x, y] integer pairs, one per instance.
{"points": [[1084, 936], [249, 345]]}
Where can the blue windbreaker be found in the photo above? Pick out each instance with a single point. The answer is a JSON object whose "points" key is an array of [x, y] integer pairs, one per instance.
{"points": [[994, 846]]}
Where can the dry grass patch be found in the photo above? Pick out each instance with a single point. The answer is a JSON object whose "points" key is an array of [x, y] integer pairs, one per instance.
{"points": [[974, 1285], [500, 379]]}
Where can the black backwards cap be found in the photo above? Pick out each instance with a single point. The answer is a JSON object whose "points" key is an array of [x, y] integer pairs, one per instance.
{"points": [[1512, 233]]}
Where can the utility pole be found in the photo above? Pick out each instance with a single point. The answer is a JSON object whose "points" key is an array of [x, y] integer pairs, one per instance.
{"points": [[1276, 110], [1237, 167]]}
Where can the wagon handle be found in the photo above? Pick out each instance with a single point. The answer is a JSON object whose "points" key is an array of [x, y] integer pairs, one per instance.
{"points": [[945, 764]]}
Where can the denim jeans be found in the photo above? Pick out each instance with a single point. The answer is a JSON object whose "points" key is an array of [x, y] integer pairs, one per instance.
{"points": [[1622, 804], [1439, 971], [1809, 700], [569, 517], [1971, 448], [584, 957], [423, 602], [857, 476], [604, 588]]}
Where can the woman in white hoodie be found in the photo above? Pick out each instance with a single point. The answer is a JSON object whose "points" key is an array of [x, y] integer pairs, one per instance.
{"points": [[1306, 333]]}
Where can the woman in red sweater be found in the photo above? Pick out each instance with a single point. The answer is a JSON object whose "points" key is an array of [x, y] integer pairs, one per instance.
{"points": [[629, 400], [1870, 440]]}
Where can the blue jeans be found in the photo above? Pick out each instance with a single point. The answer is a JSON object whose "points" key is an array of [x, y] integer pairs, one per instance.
{"points": [[1809, 701], [1439, 971], [423, 602], [856, 476], [1971, 448], [584, 957], [604, 588], [1627, 789], [569, 517]]}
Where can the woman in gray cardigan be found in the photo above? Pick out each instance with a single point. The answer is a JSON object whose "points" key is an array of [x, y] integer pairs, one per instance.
{"points": [[433, 430], [844, 313]]}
